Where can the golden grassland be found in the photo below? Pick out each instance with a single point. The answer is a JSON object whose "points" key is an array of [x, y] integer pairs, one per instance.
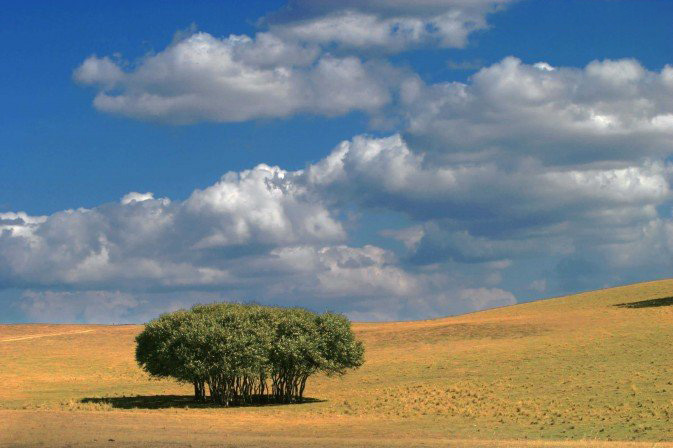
{"points": [[571, 371]]}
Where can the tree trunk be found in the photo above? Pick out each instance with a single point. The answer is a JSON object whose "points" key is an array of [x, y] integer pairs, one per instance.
{"points": [[198, 391]]}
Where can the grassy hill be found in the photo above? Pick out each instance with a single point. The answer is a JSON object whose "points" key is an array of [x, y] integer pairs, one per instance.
{"points": [[585, 369]]}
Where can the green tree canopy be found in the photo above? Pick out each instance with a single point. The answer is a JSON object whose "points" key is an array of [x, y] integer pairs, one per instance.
{"points": [[244, 353]]}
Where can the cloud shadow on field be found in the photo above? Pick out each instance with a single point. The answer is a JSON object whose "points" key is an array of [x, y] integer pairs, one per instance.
{"points": [[179, 401], [650, 303]]}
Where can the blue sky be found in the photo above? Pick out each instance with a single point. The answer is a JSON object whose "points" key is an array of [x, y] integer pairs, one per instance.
{"points": [[471, 175]]}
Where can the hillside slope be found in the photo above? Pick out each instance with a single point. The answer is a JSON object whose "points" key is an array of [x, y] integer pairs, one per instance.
{"points": [[591, 366]]}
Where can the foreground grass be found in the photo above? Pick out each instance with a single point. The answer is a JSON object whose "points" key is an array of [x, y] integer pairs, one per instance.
{"points": [[579, 368]]}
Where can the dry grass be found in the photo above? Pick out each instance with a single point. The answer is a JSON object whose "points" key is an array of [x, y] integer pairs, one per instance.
{"points": [[577, 369]]}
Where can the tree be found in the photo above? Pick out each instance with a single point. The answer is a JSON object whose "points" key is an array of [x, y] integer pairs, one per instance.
{"points": [[167, 347], [234, 346], [295, 353], [247, 352], [340, 350]]}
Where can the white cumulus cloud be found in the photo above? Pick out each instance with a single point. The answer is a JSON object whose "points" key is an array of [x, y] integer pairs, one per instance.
{"points": [[612, 110], [390, 26], [201, 77]]}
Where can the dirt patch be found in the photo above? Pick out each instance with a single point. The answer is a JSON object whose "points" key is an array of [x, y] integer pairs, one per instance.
{"points": [[44, 335]]}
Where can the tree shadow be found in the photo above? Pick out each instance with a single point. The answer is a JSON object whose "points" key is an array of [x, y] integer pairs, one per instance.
{"points": [[181, 401], [651, 303]]}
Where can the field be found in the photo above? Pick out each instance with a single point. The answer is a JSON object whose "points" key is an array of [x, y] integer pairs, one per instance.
{"points": [[580, 370]]}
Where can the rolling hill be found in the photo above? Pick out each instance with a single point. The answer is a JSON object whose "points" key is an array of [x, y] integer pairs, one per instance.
{"points": [[580, 370]]}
